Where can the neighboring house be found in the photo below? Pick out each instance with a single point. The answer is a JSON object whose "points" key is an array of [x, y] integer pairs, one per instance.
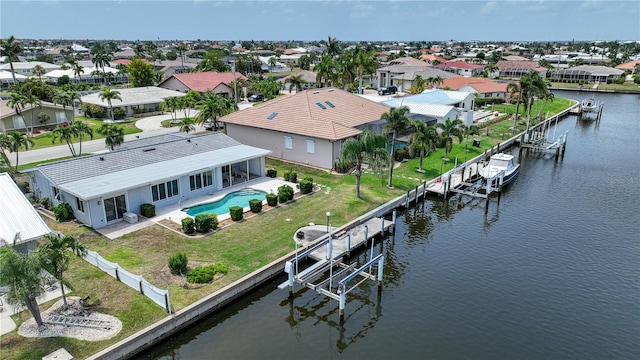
{"points": [[203, 81], [589, 73], [10, 121], [629, 66], [160, 170], [17, 216], [6, 79], [432, 59], [515, 69], [485, 88], [461, 68], [134, 100], [309, 78], [308, 127], [267, 67], [26, 67], [386, 75], [89, 74], [439, 105]]}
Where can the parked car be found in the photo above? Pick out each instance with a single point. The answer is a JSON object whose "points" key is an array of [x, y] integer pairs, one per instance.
{"points": [[208, 125], [387, 90], [256, 98]]}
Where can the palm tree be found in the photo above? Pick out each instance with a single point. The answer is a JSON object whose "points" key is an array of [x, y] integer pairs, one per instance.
{"points": [[295, 81], [170, 105], [450, 128], [33, 100], [75, 97], [16, 140], [55, 254], [272, 63], [418, 85], [397, 122], [325, 70], [367, 148], [66, 133], [63, 98], [333, 47], [38, 71], [17, 102], [78, 70], [186, 125], [101, 59], [81, 128], [366, 63], [422, 140], [345, 67], [109, 95], [182, 47], [21, 274], [212, 106], [513, 89], [113, 134], [11, 49]]}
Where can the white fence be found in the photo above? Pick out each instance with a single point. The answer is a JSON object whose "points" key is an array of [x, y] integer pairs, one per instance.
{"points": [[159, 296]]}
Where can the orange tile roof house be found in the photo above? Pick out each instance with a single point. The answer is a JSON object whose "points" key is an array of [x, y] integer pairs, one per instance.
{"points": [[308, 127], [485, 88], [202, 81]]}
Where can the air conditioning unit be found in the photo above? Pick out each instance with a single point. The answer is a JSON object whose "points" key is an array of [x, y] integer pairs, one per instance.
{"points": [[130, 217]]}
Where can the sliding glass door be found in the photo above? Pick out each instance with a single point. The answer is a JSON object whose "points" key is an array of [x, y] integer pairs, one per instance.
{"points": [[114, 208]]}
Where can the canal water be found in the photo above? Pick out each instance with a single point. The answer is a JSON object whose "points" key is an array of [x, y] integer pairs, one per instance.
{"points": [[551, 272]]}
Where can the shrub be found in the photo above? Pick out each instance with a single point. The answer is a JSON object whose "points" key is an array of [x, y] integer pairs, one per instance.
{"points": [[220, 268], [400, 154], [24, 186], [93, 111], [236, 213], [308, 178], [306, 186], [255, 205], [148, 210], [285, 193], [205, 274], [293, 177], [63, 212], [45, 203], [272, 173], [188, 226], [342, 166], [119, 113], [213, 221], [202, 223], [178, 263], [272, 199], [286, 175]]}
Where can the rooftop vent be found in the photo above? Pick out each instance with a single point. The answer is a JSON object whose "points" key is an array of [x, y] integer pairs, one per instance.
{"points": [[321, 106], [101, 158], [270, 117], [316, 92], [330, 90], [149, 149], [330, 104]]}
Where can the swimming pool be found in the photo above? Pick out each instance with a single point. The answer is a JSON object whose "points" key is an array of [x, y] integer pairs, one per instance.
{"points": [[220, 207]]}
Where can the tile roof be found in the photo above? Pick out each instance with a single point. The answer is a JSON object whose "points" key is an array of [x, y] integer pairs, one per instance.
{"points": [[481, 85], [300, 114], [144, 161], [203, 81], [459, 65], [307, 76], [134, 96], [504, 64], [628, 65]]}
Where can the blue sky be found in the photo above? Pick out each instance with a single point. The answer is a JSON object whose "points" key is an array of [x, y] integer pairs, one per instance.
{"points": [[347, 20]]}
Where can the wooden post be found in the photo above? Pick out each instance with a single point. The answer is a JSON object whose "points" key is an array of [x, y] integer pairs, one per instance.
{"points": [[349, 245], [406, 203], [416, 196], [393, 221], [498, 148]]}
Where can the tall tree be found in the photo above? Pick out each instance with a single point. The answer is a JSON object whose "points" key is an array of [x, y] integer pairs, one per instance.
{"points": [[367, 148], [422, 140], [63, 98], [38, 71], [450, 129], [16, 141], [11, 49], [212, 106], [513, 89], [17, 102], [113, 134], [333, 47], [140, 73], [35, 102], [366, 64], [170, 105], [186, 125], [64, 132], [181, 48], [295, 81], [21, 274], [109, 95], [397, 122], [55, 254], [82, 129]]}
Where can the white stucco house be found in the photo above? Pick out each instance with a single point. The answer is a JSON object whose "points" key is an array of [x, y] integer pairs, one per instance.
{"points": [[439, 104], [160, 170]]}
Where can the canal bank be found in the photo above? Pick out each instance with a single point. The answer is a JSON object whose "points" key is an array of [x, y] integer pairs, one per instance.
{"points": [[549, 273]]}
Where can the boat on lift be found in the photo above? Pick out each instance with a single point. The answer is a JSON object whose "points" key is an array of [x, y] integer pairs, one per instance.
{"points": [[500, 163]]}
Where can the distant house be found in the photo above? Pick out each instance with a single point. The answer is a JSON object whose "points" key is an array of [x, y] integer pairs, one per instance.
{"points": [[438, 105], [308, 127], [26, 67], [89, 74], [161, 170], [629, 66], [589, 73], [135, 100], [309, 78], [402, 72], [485, 88], [515, 69], [432, 59], [6, 79], [18, 217], [10, 121], [202, 81], [461, 68]]}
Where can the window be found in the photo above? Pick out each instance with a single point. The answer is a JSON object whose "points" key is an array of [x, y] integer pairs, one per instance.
{"points": [[165, 190], [79, 204], [198, 181], [56, 193], [311, 147], [288, 142], [61, 117], [18, 122]]}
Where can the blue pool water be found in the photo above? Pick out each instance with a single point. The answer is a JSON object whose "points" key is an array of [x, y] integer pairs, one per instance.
{"points": [[236, 198]]}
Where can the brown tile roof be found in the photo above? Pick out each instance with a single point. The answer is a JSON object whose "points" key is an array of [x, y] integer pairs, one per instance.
{"points": [[300, 114], [503, 64], [459, 65], [431, 58], [480, 84], [628, 65], [128, 61], [203, 81]]}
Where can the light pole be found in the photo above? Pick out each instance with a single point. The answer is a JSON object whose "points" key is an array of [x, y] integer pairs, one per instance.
{"points": [[328, 216]]}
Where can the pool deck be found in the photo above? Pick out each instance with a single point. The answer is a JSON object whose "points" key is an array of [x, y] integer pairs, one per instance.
{"points": [[175, 214]]}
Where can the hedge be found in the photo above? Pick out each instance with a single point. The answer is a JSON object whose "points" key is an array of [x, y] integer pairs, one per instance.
{"points": [[236, 213], [255, 205], [188, 226], [285, 193], [272, 173], [306, 186], [63, 212], [148, 210], [202, 223], [272, 199], [213, 221]]}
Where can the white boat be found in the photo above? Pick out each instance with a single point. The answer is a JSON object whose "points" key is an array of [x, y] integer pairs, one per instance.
{"points": [[590, 105], [497, 164]]}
